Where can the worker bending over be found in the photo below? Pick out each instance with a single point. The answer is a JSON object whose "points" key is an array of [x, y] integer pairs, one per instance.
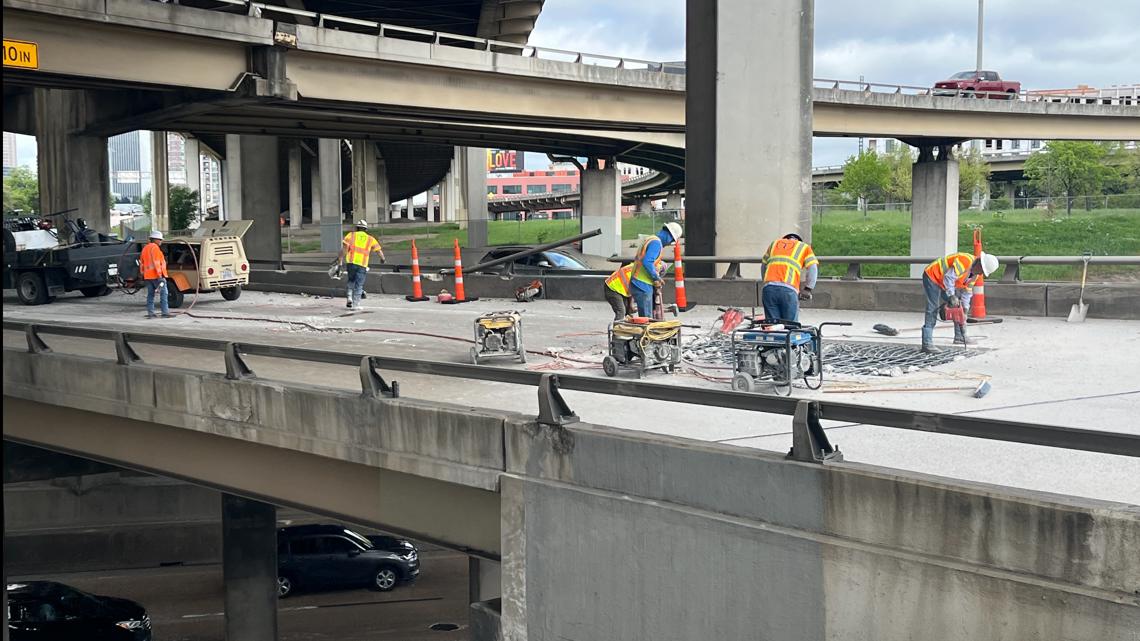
{"points": [[950, 279], [355, 250], [788, 262], [152, 266], [646, 276], [618, 289]]}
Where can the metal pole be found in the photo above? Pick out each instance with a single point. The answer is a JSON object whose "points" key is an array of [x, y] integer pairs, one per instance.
{"points": [[981, 14]]}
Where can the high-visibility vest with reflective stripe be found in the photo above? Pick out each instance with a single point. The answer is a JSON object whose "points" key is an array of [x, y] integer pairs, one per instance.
{"points": [[785, 261], [359, 245], [152, 264], [639, 271], [619, 280], [959, 261]]}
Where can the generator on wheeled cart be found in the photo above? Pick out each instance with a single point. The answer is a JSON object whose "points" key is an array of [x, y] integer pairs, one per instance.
{"points": [[498, 334], [779, 353], [641, 345]]}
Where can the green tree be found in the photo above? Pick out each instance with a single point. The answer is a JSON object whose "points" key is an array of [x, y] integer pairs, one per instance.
{"points": [[865, 176], [21, 191], [973, 173], [901, 162], [146, 203], [182, 206], [1068, 168]]}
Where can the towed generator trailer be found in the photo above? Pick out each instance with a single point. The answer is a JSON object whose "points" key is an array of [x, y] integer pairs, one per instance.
{"points": [[643, 346], [498, 334], [778, 353]]}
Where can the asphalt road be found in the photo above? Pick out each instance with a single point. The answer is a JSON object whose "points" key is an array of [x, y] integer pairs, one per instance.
{"points": [[187, 603]]}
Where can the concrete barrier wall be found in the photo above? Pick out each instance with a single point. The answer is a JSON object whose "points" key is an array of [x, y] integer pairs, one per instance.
{"points": [[616, 535], [112, 547], [105, 500], [897, 295]]}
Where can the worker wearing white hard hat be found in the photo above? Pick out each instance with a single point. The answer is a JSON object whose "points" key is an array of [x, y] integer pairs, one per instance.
{"points": [[645, 274], [152, 268], [355, 250], [950, 281]]}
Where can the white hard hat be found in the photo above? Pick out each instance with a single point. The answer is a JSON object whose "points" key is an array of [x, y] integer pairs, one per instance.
{"points": [[156, 234], [362, 224], [989, 263], [675, 231]]}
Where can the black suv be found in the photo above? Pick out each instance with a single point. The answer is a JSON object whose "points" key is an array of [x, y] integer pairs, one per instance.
{"points": [[332, 556], [50, 611]]}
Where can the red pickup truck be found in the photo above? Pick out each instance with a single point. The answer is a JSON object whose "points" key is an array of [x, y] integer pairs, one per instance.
{"points": [[978, 84]]}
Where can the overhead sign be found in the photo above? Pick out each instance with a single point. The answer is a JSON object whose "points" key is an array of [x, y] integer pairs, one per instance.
{"points": [[503, 160], [20, 54]]}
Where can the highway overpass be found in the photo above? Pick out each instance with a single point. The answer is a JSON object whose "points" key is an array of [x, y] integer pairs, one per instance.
{"points": [[583, 529]]}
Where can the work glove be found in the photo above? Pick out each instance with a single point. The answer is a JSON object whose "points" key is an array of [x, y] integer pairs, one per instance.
{"points": [[952, 301], [659, 283], [805, 294], [383, 260]]}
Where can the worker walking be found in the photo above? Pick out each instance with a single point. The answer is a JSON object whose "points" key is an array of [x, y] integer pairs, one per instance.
{"points": [[788, 264], [950, 280], [152, 266], [355, 250], [618, 290], [646, 276]]}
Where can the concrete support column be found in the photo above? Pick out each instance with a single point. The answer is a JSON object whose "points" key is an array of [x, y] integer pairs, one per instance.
{"points": [[194, 168], [160, 181], [383, 194], [601, 207], [1011, 191], [315, 192], [934, 214], [409, 208], [328, 153], [296, 197], [249, 568], [738, 110], [471, 167], [645, 206], [365, 203], [484, 580], [73, 170], [675, 201], [447, 197], [255, 179]]}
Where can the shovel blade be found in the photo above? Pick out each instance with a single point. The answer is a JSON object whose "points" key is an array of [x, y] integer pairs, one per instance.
{"points": [[1078, 312]]}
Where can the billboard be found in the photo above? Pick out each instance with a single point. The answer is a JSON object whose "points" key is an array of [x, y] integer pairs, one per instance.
{"points": [[503, 160]]}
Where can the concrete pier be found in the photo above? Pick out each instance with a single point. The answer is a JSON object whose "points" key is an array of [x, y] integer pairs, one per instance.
{"points": [[934, 215], [601, 207], [249, 560], [73, 169]]}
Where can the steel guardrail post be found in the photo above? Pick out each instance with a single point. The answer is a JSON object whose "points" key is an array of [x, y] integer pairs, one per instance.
{"points": [[372, 384], [36, 345], [236, 368], [124, 353], [552, 408]]}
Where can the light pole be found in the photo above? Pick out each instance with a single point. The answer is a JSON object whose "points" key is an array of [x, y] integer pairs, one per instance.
{"points": [[981, 20]]}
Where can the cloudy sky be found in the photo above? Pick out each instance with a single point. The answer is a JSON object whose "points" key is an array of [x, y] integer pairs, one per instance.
{"points": [[1046, 44]]}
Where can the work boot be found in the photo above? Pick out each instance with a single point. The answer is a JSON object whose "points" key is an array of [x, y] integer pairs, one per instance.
{"points": [[348, 305], [363, 295], [151, 316], [929, 348], [168, 316], [964, 340]]}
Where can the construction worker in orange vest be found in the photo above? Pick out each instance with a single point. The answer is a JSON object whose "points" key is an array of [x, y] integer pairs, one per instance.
{"points": [[950, 280], [355, 250], [618, 290], [152, 267], [788, 262]]}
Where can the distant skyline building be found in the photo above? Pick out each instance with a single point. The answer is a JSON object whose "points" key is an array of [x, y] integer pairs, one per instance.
{"points": [[9, 152]]}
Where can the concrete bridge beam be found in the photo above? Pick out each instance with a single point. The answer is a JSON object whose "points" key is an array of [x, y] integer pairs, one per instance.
{"points": [[934, 213], [249, 568]]}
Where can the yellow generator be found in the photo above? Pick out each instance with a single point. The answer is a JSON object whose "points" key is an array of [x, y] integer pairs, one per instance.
{"points": [[498, 334], [642, 345]]}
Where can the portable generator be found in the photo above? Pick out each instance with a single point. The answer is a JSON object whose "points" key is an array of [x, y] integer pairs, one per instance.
{"points": [[778, 353], [498, 334], [641, 345]]}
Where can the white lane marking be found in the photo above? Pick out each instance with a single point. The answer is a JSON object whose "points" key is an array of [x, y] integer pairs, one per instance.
{"points": [[199, 616]]}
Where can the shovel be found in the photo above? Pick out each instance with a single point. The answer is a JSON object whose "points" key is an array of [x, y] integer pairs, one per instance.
{"points": [[1081, 308]]}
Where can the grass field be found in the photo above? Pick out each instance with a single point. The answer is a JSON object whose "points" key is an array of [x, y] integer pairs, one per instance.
{"points": [[1112, 232]]}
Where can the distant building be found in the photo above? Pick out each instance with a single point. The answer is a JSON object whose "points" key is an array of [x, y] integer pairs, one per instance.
{"points": [[9, 152], [130, 163]]}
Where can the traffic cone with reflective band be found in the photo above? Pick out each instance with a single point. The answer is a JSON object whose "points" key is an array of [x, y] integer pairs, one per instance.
{"points": [[978, 301], [460, 294], [417, 288], [679, 295]]}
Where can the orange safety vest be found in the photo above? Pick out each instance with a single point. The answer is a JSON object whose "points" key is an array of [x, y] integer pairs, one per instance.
{"points": [[619, 280], [152, 263], [785, 261], [359, 245], [639, 271], [960, 261]]}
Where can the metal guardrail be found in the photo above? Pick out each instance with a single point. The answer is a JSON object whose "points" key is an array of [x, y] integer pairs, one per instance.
{"points": [[554, 411], [855, 264], [1124, 95]]}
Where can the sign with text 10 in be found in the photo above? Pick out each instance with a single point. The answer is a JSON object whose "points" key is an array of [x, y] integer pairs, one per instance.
{"points": [[503, 160]]}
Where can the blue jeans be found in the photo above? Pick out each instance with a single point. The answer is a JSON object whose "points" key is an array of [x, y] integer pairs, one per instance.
{"points": [[151, 285], [935, 297], [644, 300], [780, 303], [356, 276]]}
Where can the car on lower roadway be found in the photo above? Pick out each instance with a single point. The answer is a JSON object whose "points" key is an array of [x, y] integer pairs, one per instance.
{"points": [[50, 611], [325, 557]]}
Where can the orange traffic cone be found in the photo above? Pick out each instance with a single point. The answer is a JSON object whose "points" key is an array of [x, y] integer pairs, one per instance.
{"points": [[460, 295], [679, 295], [978, 302], [417, 288]]}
